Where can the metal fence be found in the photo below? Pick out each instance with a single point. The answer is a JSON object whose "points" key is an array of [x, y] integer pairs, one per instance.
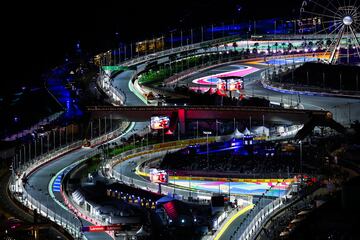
{"points": [[69, 221], [257, 216]]}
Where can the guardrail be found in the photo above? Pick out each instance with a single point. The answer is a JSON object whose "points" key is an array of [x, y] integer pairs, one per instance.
{"points": [[19, 192], [142, 59], [79, 212], [152, 149], [256, 220], [219, 41], [116, 95]]}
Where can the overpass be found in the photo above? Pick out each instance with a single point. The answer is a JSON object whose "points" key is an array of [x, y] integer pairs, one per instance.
{"points": [[271, 115]]}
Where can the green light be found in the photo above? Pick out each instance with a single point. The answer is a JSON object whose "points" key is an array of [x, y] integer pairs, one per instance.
{"points": [[114, 68]]}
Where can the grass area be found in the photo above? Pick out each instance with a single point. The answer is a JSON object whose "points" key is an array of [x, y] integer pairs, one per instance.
{"points": [[160, 73], [93, 164], [118, 150]]}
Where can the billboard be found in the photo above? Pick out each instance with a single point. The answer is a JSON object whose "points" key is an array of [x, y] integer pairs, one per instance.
{"points": [[309, 25], [159, 122], [150, 45], [96, 228], [232, 85], [158, 176]]}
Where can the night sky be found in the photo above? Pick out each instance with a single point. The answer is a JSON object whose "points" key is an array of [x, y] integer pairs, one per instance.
{"points": [[39, 35]]}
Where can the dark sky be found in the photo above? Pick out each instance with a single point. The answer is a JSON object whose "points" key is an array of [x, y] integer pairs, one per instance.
{"points": [[38, 35]]}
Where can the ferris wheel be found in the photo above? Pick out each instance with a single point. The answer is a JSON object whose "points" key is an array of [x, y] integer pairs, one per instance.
{"points": [[339, 22]]}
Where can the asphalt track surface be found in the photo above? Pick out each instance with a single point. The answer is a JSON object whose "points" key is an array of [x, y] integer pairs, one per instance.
{"points": [[344, 109], [38, 182]]}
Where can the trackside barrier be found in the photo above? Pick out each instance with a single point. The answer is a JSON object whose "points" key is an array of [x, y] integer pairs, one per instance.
{"points": [[17, 189], [230, 217], [256, 222], [111, 135], [117, 96], [69, 203], [154, 150]]}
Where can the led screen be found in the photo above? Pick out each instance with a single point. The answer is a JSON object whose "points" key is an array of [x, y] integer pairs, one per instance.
{"points": [[159, 122]]}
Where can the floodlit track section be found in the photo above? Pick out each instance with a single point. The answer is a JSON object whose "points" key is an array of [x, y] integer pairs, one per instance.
{"points": [[310, 118], [38, 192], [40, 175]]}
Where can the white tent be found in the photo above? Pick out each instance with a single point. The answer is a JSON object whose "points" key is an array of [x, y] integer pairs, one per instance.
{"points": [[247, 132], [141, 232], [261, 131], [237, 134], [78, 197]]}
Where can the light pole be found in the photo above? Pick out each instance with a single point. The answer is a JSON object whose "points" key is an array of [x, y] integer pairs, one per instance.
{"points": [[216, 126], [174, 183], [105, 123], [47, 138], [29, 147], [111, 123], [59, 137], [147, 137], [301, 174], [35, 152], [134, 137], [54, 135], [171, 40], [41, 144], [24, 147], [91, 130], [99, 127], [197, 129], [20, 155], [66, 135], [190, 186], [207, 133], [163, 135], [229, 181]]}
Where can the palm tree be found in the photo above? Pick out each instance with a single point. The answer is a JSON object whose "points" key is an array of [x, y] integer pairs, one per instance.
{"points": [[319, 44], [276, 46], [290, 46], [328, 42], [235, 45], [256, 45]]}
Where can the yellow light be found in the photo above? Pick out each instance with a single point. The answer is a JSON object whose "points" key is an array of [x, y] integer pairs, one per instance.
{"points": [[227, 224]]}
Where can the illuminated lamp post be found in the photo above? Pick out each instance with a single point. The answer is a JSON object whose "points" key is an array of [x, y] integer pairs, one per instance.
{"points": [[207, 133], [174, 183], [229, 181], [301, 173]]}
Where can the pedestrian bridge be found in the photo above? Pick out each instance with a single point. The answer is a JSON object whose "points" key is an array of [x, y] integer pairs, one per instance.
{"points": [[182, 114]]}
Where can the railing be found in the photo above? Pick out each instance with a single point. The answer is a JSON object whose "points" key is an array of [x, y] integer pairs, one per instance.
{"points": [[80, 212], [117, 96], [254, 221], [221, 221], [142, 59], [70, 225], [218, 41], [146, 185], [30, 129], [154, 150], [18, 190], [110, 135]]}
